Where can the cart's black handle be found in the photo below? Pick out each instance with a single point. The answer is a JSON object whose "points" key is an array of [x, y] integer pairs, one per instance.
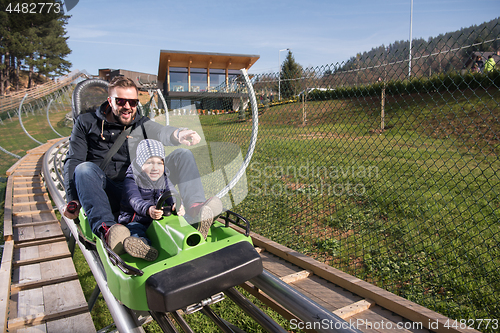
{"points": [[168, 210]]}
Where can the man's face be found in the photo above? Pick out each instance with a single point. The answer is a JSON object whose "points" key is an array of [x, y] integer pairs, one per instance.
{"points": [[120, 100]]}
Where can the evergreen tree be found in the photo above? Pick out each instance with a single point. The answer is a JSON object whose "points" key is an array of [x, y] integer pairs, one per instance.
{"points": [[291, 71], [32, 39]]}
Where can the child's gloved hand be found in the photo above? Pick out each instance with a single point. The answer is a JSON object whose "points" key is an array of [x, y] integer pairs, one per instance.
{"points": [[155, 214]]}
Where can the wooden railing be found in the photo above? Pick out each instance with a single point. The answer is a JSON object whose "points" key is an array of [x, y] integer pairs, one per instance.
{"points": [[12, 101]]}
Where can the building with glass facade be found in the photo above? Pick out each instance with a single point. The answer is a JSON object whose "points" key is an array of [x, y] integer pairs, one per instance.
{"points": [[144, 81], [205, 80]]}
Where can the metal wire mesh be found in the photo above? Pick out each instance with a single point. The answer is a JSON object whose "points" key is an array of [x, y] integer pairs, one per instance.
{"points": [[386, 169]]}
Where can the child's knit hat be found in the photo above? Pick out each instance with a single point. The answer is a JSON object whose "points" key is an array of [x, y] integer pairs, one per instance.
{"points": [[149, 148]]}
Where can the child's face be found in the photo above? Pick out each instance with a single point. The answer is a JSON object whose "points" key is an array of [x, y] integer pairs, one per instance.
{"points": [[153, 167]]}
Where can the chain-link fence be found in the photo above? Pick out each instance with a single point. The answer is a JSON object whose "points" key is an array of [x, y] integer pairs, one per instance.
{"points": [[386, 169]]}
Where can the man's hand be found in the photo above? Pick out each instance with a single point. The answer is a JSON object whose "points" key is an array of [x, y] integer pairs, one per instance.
{"points": [[189, 137], [181, 211], [72, 209]]}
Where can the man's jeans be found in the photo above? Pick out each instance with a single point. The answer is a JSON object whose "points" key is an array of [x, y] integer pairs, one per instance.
{"points": [[100, 196]]}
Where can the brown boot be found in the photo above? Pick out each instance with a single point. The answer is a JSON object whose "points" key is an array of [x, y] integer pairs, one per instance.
{"points": [[137, 248]]}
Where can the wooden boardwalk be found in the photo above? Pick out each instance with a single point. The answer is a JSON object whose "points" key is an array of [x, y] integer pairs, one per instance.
{"points": [[39, 286]]}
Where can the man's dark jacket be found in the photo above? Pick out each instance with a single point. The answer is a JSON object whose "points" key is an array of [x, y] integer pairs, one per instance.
{"points": [[92, 137]]}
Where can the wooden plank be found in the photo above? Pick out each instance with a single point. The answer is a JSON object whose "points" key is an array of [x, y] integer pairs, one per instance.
{"points": [[335, 296], [32, 212], [60, 296], [30, 198], [7, 213], [328, 295], [34, 168], [397, 304], [27, 193], [75, 324], [22, 195], [37, 232], [31, 187], [27, 173], [53, 249], [40, 318], [33, 208], [33, 178], [353, 309], [40, 242], [27, 203], [15, 287], [13, 168], [291, 278], [52, 269], [28, 182], [277, 265], [5, 277], [30, 302], [31, 224], [16, 263]]}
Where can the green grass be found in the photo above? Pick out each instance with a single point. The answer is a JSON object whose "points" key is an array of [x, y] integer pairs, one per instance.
{"points": [[14, 140]]}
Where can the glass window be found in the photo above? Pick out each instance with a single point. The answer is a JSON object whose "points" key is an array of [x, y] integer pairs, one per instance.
{"points": [[180, 103], [198, 79], [217, 79], [178, 79]]}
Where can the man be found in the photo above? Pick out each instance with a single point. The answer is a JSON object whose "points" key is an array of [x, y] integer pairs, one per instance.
{"points": [[490, 64], [96, 186]]}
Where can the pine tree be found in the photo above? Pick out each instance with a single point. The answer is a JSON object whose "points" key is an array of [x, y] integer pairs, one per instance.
{"points": [[33, 41], [291, 71]]}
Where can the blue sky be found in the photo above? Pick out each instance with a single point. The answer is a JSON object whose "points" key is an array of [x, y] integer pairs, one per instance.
{"points": [[123, 34]]}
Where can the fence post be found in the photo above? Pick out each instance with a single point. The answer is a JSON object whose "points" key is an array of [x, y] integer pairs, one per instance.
{"points": [[382, 107], [304, 113]]}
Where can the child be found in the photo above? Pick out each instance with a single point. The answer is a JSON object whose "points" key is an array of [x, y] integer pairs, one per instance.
{"points": [[146, 180]]}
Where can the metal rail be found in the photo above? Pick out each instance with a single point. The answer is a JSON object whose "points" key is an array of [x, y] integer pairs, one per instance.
{"points": [[301, 306]]}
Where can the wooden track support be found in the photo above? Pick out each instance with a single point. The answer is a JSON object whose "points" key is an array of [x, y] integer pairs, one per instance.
{"points": [[39, 290], [372, 301]]}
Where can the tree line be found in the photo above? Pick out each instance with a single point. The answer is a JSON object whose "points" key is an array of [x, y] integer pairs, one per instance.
{"points": [[32, 39], [446, 53]]}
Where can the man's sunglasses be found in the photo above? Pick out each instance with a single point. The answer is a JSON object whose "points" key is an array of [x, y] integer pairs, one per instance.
{"points": [[122, 101]]}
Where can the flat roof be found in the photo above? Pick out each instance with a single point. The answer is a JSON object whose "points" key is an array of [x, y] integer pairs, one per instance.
{"points": [[203, 60]]}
